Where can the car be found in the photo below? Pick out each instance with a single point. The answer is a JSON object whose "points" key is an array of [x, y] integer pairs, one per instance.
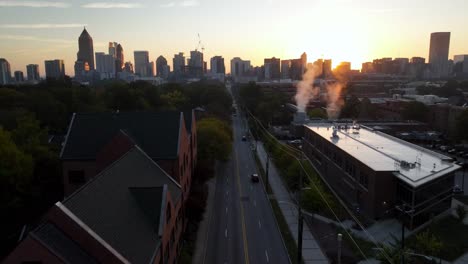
{"points": [[254, 177], [244, 138]]}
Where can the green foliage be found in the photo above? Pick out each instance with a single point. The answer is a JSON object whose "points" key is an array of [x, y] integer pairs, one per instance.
{"points": [[351, 108], [461, 212], [317, 113], [251, 95], [366, 109], [30, 137], [11, 99], [16, 170], [174, 100], [428, 244], [415, 111], [214, 139]]}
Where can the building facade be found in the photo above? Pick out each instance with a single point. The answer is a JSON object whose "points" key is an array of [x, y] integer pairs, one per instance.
{"points": [[55, 69], [239, 67], [217, 65], [438, 54], [178, 63], [86, 49], [19, 77], [460, 67], [5, 72], [272, 68], [374, 172], [142, 63], [105, 65], [162, 69], [33, 72]]}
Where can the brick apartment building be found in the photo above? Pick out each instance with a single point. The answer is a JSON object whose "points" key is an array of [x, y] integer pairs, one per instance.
{"points": [[169, 138], [373, 172], [129, 213]]}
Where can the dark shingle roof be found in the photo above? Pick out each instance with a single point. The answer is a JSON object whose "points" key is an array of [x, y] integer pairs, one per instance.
{"points": [[156, 133], [61, 245], [120, 204]]}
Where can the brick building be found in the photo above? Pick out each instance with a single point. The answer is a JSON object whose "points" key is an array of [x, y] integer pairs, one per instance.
{"points": [[131, 212]]}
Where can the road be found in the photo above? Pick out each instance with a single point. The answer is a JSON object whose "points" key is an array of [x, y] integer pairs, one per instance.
{"points": [[242, 227]]}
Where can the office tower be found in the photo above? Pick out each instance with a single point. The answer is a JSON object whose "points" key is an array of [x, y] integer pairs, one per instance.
{"points": [[285, 69], [19, 77], [178, 62], [162, 69], [327, 68], [33, 72], [217, 65], [151, 69], [272, 69], [55, 69], [438, 54], [105, 65], [239, 67], [416, 67], [318, 68], [112, 49], [367, 67], [86, 50], [116, 50], [297, 68], [196, 64], [142, 63], [5, 72], [460, 67], [304, 61]]}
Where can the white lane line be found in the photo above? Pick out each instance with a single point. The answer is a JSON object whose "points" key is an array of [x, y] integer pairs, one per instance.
{"points": [[225, 233], [259, 224], [226, 210], [227, 193], [266, 255]]}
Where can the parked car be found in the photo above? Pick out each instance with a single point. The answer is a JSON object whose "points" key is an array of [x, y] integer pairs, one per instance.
{"points": [[254, 177], [244, 138]]}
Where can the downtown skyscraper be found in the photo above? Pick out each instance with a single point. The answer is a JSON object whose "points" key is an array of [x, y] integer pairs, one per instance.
{"points": [[33, 72], [438, 54], [5, 72], [85, 56]]}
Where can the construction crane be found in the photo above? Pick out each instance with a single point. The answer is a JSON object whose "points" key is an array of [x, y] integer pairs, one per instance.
{"points": [[200, 44]]}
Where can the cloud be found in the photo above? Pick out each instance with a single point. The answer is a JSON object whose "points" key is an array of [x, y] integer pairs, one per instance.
{"points": [[41, 26], [32, 38], [9, 3], [105, 5], [186, 3]]}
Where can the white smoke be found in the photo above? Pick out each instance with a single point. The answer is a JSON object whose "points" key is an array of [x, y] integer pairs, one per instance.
{"points": [[334, 101], [305, 89]]}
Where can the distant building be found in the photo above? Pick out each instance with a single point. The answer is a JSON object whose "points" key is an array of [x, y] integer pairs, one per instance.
{"points": [[417, 67], [343, 68], [105, 65], [272, 68], [5, 72], [196, 65], [217, 65], [19, 77], [438, 54], [116, 50], [327, 68], [285, 69], [162, 69], [142, 63], [239, 67], [178, 63], [374, 172], [55, 69], [318, 67], [85, 56], [367, 67], [33, 72], [460, 67], [128, 67]]}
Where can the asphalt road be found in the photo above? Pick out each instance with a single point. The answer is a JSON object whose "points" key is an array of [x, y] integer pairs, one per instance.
{"points": [[242, 228]]}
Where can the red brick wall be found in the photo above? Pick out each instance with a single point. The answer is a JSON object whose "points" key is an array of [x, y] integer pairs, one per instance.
{"points": [[31, 250], [89, 168], [116, 147], [171, 226], [184, 161]]}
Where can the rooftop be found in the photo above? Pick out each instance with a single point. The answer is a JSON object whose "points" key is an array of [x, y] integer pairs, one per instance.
{"points": [[410, 163]]}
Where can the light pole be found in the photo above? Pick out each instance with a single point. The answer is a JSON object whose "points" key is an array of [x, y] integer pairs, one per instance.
{"points": [[402, 210]]}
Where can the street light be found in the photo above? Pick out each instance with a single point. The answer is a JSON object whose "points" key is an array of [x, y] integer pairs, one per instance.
{"points": [[402, 210]]}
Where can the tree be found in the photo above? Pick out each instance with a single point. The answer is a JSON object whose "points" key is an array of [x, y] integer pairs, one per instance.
{"points": [[250, 95], [30, 137], [351, 108], [415, 111], [174, 100], [317, 113], [367, 110], [428, 244], [462, 125], [214, 139]]}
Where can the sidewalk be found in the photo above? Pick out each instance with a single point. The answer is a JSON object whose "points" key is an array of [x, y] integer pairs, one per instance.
{"points": [[311, 251]]}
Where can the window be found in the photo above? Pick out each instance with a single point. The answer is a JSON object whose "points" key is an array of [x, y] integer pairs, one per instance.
{"points": [[76, 176], [363, 179]]}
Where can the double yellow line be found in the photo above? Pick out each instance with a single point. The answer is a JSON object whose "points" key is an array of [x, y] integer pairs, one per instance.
{"points": [[244, 234]]}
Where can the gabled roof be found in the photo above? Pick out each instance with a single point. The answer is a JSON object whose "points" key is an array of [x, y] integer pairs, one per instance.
{"points": [[61, 245], [123, 205], [156, 133]]}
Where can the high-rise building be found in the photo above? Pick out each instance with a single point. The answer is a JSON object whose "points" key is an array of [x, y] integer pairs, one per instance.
{"points": [[272, 68], [327, 68], [460, 67], [142, 63], [85, 50], [285, 69], [217, 65], [5, 72], [19, 77], [162, 69], [367, 67], [105, 65], [116, 50], [128, 67], [33, 72], [55, 69], [318, 67], [297, 68], [178, 62], [196, 64], [343, 68], [239, 67], [417, 67], [438, 54]]}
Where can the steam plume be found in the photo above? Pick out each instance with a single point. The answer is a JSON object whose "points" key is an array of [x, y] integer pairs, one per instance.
{"points": [[334, 102], [306, 89]]}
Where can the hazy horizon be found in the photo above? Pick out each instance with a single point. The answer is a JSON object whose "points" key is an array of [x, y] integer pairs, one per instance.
{"points": [[343, 30]]}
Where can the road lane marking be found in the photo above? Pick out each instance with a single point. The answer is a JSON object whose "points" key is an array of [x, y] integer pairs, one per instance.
{"points": [[225, 233], [266, 255], [226, 210], [244, 235], [259, 224]]}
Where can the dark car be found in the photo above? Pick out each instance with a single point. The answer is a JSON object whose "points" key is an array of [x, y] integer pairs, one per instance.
{"points": [[254, 177], [244, 138]]}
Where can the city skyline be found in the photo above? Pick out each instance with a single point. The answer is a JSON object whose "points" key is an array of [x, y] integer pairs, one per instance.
{"points": [[49, 30]]}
